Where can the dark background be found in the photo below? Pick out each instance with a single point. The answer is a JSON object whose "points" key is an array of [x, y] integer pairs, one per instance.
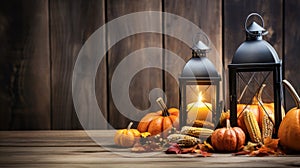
{"points": [[40, 40]]}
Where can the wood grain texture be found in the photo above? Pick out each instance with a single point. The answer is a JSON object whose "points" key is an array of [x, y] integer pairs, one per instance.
{"points": [[71, 24], [235, 14], [291, 49], [209, 21], [145, 79], [85, 153], [51, 138], [25, 66]]}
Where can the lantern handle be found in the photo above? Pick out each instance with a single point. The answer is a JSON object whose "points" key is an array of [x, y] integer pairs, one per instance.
{"points": [[262, 21], [201, 34]]}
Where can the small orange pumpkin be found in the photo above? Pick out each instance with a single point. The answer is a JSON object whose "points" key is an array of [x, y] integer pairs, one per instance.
{"points": [[127, 137], [228, 139], [161, 121], [289, 129]]}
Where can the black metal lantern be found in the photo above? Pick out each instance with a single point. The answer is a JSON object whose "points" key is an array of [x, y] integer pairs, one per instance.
{"points": [[254, 65], [199, 88]]}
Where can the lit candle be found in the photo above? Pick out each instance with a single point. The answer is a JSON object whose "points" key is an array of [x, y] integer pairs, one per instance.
{"points": [[199, 110]]}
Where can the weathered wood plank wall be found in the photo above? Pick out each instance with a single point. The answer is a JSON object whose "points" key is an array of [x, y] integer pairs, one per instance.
{"points": [[25, 65], [71, 24], [291, 51], [144, 80], [40, 41]]}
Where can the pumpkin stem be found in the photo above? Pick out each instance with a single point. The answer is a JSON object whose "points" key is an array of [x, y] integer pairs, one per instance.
{"points": [[228, 123], [163, 107], [257, 98], [129, 125], [292, 92]]}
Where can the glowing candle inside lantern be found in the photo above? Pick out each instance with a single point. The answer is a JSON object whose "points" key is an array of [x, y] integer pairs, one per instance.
{"points": [[199, 110]]}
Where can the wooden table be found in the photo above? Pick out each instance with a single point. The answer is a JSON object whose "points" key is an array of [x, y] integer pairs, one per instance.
{"points": [[77, 149]]}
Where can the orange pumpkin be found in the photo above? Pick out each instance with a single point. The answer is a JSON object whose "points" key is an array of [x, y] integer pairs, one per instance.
{"points": [[127, 137], [289, 129], [258, 108], [159, 122], [228, 139]]}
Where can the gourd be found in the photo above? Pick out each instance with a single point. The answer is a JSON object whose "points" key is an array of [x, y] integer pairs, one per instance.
{"points": [[202, 133], [126, 137], [289, 129], [252, 127], [228, 139], [183, 140], [160, 122]]}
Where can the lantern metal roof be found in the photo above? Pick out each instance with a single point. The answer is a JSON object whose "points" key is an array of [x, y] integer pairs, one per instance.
{"points": [[199, 66], [255, 49]]}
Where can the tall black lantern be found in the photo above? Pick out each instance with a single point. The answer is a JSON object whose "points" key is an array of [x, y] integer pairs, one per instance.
{"points": [[199, 88], [255, 65]]}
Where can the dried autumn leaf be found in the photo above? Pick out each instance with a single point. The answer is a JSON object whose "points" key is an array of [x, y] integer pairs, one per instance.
{"points": [[243, 152], [206, 147], [270, 147], [194, 151], [259, 153], [173, 149], [271, 143], [266, 149], [188, 150], [251, 146]]}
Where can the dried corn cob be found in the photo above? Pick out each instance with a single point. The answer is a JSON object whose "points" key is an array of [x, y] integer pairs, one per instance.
{"points": [[196, 132], [203, 124], [267, 127], [252, 126], [183, 140]]}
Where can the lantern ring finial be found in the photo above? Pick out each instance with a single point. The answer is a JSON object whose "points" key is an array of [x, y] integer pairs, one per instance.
{"points": [[262, 21], [195, 38]]}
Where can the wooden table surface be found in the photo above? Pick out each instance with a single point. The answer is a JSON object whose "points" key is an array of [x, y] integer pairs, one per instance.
{"points": [[77, 149]]}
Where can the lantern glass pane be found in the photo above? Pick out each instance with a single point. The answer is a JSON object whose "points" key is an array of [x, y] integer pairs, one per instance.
{"points": [[201, 103], [249, 85]]}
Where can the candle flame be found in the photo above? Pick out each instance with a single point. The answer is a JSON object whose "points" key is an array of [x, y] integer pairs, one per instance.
{"points": [[200, 97]]}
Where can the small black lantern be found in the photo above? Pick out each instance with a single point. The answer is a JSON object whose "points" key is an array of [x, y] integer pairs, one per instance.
{"points": [[199, 87], [254, 65]]}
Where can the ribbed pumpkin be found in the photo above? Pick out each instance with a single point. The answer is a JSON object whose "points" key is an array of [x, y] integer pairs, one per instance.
{"points": [[228, 139], [289, 129], [161, 121], [126, 137], [258, 108]]}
